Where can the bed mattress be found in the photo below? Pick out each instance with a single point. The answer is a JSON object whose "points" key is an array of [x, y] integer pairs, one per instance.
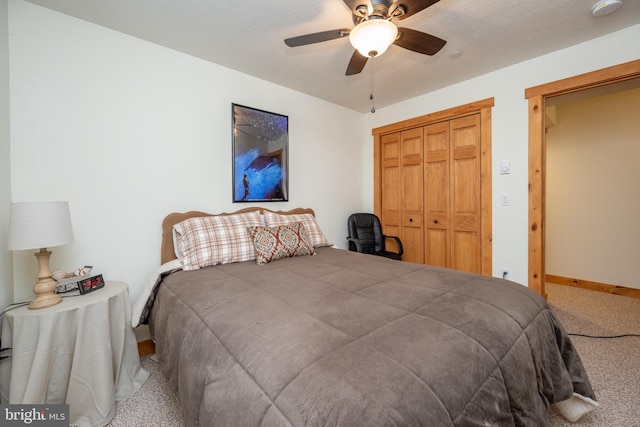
{"points": [[346, 339]]}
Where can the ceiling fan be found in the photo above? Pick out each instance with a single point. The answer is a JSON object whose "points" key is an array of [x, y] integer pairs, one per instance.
{"points": [[375, 31]]}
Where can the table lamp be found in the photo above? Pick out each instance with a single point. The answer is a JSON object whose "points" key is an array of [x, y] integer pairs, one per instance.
{"points": [[41, 225]]}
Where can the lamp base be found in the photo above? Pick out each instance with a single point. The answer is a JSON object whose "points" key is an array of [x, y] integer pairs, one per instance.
{"points": [[44, 301], [46, 286]]}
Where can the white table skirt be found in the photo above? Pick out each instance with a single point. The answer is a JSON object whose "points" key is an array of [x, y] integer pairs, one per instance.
{"points": [[82, 352]]}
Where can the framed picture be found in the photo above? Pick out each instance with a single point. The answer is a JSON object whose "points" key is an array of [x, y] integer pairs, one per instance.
{"points": [[260, 155]]}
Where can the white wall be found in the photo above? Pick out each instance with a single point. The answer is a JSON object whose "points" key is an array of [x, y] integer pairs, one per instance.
{"points": [[593, 197], [6, 257], [128, 131], [510, 128]]}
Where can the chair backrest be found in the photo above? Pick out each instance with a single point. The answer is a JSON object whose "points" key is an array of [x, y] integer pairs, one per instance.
{"points": [[367, 229]]}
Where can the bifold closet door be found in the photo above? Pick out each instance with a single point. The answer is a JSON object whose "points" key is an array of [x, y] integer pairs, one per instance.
{"points": [[390, 185], [411, 217], [437, 224], [402, 183], [466, 244], [452, 194]]}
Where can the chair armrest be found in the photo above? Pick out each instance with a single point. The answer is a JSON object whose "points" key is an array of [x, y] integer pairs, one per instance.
{"points": [[356, 242], [398, 242]]}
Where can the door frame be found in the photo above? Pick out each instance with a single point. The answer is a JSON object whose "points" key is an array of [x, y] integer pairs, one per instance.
{"points": [[536, 97], [482, 107]]}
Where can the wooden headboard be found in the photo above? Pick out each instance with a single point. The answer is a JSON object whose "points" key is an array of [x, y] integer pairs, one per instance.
{"points": [[167, 252]]}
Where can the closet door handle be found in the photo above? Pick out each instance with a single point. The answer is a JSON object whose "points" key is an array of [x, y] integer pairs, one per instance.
{"points": [[410, 219], [435, 221]]}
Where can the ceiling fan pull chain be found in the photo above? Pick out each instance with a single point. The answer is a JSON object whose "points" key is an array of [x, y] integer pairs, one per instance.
{"points": [[373, 107]]}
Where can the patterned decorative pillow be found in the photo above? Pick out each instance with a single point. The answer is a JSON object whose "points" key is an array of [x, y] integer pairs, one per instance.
{"points": [[212, 240], [314, 233], [274, 243]]}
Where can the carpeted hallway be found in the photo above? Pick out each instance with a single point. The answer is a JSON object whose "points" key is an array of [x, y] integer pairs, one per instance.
{"points": [[613, 365]]}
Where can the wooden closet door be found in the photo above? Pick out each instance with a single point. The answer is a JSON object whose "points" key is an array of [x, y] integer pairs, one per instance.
{"points": [[454, 188], [452, 194], [390, 186], [466, 248], [436, 194], [411, 216]]}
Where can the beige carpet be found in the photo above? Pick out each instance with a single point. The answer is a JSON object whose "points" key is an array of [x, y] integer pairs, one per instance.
{"points": [[153, 405], [613, 365]]}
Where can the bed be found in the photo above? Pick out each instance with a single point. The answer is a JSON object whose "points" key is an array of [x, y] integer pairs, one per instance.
{"points": [[339, 338]]}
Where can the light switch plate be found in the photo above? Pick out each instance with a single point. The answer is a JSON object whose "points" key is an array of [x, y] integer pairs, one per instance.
{"points": [[505, 167]]}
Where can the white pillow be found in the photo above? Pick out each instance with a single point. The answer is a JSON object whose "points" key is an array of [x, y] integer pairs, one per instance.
{"points": [[309, 221], [211, 240]]}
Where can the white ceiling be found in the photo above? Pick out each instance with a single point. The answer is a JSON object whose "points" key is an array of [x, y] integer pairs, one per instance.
{"points": [[247, 36]]}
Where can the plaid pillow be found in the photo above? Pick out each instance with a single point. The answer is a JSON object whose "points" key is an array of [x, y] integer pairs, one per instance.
{"points": [[212, 240], [274, 243], [309, 221]]}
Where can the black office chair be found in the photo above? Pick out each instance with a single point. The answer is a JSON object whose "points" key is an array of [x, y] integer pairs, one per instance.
{"points": [[365, 236]]}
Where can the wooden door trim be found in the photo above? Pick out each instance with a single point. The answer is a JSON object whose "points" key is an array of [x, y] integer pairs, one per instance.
{"points": [[536, 97], [483, 107], [438, 116], [486, 186]]}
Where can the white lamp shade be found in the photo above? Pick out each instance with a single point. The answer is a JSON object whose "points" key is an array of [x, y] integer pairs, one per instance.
{"points": [[373, 37], [36, 225]]}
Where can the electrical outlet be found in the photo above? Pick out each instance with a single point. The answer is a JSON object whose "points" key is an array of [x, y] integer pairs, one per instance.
{"points": [[505, 273]]}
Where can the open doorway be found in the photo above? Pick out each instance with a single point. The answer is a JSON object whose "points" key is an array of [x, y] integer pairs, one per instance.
{"points": [[592, 198], [536, 97]]}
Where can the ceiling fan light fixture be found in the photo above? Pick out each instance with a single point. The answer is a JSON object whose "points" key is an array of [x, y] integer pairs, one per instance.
{"points": [[372, 37]]}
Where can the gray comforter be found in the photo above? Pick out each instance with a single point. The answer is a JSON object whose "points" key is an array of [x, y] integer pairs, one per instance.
{"points": [[345, 339]]}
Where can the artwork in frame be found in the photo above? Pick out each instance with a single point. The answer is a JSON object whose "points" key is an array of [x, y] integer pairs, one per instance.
{"points": [[260, 155]]}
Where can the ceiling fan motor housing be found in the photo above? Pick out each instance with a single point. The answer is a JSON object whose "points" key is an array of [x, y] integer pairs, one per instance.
{"points": [[374, 31]]}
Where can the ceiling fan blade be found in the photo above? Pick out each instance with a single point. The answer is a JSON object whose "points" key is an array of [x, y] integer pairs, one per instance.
{"points": [[418, 41], [322, 36], [410, 7], [356, 64]]}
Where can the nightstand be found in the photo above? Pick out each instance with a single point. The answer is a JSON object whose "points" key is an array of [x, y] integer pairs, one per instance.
{"points": [[82, 352]]}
